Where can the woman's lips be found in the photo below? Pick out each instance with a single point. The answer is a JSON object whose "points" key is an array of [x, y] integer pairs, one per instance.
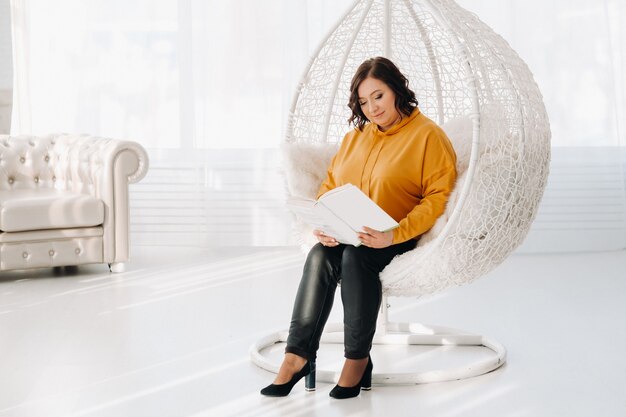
{"points": [[378, 115]]}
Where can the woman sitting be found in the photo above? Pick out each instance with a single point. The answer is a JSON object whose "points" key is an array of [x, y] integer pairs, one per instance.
{"points": [[405, 163]]}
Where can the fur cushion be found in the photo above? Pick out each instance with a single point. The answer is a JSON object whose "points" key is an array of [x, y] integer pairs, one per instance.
{"points": [[305, 167], [459, 131]]}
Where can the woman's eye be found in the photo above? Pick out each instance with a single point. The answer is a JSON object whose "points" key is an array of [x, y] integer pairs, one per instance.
{"points": [[362, 103], [379, 97]]}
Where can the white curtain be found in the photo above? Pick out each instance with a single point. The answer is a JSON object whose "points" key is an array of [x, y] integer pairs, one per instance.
{"points": [[171, 74], [576, 50], [205, 86], [6, 70]]}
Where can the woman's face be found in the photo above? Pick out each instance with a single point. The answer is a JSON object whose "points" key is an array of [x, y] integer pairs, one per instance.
{"points": [[378, 103]]}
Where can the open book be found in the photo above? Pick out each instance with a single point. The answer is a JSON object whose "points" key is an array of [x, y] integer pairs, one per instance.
{"points": [[342, 213]]}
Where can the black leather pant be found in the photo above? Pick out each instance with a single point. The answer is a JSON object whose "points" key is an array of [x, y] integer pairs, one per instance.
{"points": [[361, 294]]}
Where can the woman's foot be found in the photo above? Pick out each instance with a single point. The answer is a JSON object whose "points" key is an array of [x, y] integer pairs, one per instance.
{"points": [[291, 365], [287, 377], [352, 372], [356, 375]]}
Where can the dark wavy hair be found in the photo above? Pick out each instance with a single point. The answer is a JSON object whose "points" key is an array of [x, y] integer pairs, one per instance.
{"points": [[386, 71]]}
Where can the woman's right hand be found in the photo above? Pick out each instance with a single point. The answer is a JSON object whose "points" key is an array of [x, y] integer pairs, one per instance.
{"points": [[325, 239]]}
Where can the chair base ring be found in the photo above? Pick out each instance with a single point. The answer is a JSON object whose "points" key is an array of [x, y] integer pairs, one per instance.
{"points": [[400, 334]]}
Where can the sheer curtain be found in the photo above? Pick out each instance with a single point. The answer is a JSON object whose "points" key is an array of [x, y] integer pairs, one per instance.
{"points": [[205, 86], [172, 74], [6, 71]]}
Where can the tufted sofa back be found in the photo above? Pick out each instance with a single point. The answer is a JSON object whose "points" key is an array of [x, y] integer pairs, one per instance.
{"points": [[63, 162]]}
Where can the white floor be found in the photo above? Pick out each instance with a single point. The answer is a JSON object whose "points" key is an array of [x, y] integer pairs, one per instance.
{"points": [[170, 337]]}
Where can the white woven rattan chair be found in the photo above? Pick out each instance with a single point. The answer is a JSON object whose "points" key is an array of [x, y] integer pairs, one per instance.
{"points": [[470, 81]]}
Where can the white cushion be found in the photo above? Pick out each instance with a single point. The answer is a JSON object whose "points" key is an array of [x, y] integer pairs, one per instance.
{"points": [[50, 234], [459, 131], [37, 209]]}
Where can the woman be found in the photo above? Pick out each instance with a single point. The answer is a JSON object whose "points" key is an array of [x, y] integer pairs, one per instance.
{"points": [[405, 163]]}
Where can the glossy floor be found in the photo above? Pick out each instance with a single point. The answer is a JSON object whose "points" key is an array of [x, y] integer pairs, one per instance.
{"points": [[170, 337]]}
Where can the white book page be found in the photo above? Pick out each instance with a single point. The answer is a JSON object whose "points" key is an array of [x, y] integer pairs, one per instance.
{"points": [[350, 204], [320, 218]]}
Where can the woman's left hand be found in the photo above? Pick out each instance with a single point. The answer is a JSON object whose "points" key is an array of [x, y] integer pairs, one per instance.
{"points": [[375, 239]]}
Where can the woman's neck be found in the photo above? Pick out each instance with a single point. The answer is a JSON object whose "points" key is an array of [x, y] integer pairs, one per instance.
{"points": [[398, 120]]}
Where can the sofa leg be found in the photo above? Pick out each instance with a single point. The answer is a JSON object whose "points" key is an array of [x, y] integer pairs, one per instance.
{"points": [[117, 267]]}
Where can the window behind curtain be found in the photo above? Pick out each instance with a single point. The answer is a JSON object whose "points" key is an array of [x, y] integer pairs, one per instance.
{"points": [[206, 85]]}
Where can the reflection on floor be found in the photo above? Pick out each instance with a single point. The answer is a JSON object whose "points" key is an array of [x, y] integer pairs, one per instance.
{"points": [[170, 337]]}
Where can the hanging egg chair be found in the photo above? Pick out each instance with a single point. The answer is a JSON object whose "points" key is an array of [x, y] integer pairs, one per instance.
{"points": [[471, 82]]}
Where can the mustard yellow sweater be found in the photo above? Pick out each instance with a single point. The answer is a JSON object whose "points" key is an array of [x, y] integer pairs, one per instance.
{"points": [[409, 171]]}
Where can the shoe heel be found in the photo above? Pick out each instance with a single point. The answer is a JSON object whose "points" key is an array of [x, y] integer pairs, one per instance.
{"points": [[366, 380], [309, 380]]}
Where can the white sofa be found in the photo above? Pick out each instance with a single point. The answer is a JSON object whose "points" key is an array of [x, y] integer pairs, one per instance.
{"points": [[64, 200]]}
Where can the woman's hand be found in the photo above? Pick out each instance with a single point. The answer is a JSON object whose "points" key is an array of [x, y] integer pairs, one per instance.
{"points": [[325, 239], [375, 239]]}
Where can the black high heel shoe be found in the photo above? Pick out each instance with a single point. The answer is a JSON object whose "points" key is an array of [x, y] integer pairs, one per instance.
{"points": [[282, 390], [364, 384]]}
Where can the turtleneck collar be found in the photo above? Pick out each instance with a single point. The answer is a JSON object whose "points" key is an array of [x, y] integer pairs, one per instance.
{"points": [[395, 128]]}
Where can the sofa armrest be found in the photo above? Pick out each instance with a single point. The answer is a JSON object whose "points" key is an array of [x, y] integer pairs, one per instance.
{"points": [[103, 168]]}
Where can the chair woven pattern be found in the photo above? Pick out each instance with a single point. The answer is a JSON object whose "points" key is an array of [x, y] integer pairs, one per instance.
{"points": [[458, 67]]}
